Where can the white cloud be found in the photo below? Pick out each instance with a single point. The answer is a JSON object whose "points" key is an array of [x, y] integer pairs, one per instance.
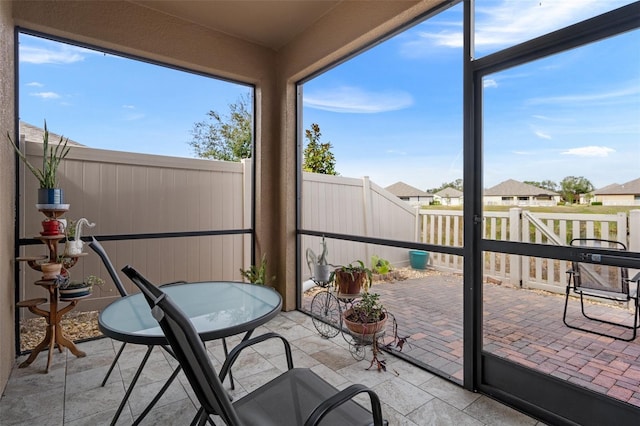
{"points": [[590, 151], [128, 107], [356, 100], [45, 95], [35, 84], [506, 22], [62, 55], [610, 96], [489, 82], [542, 135]]}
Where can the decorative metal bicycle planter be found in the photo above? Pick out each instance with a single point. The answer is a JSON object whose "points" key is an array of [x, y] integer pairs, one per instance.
{"points": [[332, 309]]}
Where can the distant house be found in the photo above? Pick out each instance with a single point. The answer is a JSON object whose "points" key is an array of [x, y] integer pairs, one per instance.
{"points": [[514, 193], [627, 194], [448, 197], [33, 133], [411, 195]]}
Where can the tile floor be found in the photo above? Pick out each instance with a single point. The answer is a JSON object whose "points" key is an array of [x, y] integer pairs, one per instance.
{"points": [[70, 394]]}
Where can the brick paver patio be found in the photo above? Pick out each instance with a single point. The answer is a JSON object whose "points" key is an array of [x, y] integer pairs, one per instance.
{"points": [[524, 326]]}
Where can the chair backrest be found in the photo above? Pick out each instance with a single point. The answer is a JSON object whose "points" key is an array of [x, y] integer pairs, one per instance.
{"points": [[188, 349], [600, 277], [97, 247]]}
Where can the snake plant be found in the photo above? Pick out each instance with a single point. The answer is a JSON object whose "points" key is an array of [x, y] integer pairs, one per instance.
{"points": [[51, 158]]}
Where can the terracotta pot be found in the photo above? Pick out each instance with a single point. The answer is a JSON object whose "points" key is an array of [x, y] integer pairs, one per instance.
{"points": [[50, 270], [364, 330], [349, 285]]}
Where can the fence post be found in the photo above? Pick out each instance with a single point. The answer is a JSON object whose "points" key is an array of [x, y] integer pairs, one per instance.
{"points": [[368, 214], [622, 229], [418, 221], [515, 234], [634, 235], [247, 186]]}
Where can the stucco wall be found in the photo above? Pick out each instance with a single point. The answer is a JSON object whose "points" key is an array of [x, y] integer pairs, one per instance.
{"points": [[7, 338]]}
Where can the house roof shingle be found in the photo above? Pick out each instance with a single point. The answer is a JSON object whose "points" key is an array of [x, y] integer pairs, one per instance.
{"points": [[401, 189], [628, 188], [449, 192], [35, 134], [512, 187]]}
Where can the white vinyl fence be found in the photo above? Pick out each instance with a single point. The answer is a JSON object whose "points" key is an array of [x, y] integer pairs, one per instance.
{"points": [[126, 193], [444, 227]]}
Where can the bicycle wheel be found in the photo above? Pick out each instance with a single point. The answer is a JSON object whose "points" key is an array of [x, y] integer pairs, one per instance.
{"points": [[325, 312]]}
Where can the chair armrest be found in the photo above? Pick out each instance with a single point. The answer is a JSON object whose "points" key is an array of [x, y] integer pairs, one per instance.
{"points": [[235, 352], [340, 398]]}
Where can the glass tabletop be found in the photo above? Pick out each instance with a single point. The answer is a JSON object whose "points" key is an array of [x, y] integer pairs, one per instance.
{"points": [[217, 309]]}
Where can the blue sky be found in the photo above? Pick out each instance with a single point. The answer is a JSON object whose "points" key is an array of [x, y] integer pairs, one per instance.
{"points": [[393, 113]]}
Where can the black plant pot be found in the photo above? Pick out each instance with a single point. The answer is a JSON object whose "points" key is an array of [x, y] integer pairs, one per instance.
{"points": [[50, 196]]}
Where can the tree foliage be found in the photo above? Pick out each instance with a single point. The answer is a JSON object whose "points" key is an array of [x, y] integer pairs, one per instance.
{"points": [[545, 184], [571, 187], [226, 138], [318, 157], [456, 184]]}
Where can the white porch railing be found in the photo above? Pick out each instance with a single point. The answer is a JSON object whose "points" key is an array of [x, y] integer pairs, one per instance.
{"points": [[444, 227]]}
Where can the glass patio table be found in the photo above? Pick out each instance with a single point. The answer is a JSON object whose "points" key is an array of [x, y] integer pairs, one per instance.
{"points": [[217, 309]]}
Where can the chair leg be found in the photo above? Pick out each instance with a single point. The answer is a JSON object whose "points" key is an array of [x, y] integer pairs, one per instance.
{"points": [[113, 364], [226, 354], [201, 418], [634, 327]]}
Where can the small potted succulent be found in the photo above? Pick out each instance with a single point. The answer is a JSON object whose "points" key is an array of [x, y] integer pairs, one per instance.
{"points": [[49, 192], [73, 232], [69, 289]]}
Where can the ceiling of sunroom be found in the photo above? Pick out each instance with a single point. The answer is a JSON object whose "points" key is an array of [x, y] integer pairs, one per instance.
{"points": [[267, 22]]}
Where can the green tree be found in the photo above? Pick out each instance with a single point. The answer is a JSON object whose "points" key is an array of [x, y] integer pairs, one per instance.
{"points": [[456, 184], [317, 156], [545, 184], [226, 138], [571, 187]]}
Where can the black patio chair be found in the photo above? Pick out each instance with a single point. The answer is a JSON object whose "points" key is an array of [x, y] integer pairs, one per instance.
{"points": [[605, 282], [101, 252], [97, 247], [296, 397]]}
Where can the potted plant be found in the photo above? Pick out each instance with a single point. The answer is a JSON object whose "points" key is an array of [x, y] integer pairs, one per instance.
{"points": [[367, 317], [73, 231], [352, 279], [258, 274], [69, 289], [51, 270], [318, 266], [49, 193]]}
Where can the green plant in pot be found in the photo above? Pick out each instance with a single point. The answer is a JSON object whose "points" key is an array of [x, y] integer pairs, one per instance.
{"points": [[366, 317], [70, 289], [257, 274], [49, 193], [352, 279]]}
